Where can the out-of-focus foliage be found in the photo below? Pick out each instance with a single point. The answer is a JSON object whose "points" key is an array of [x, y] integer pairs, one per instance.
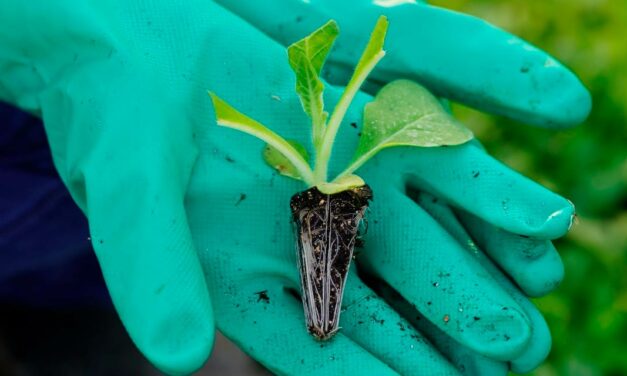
{"points": [[588, 164]]}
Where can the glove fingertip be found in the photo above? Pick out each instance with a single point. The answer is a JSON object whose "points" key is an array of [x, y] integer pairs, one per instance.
{"points": [[556, 224], [498, 333], [537, 352], [567, 102], [187, 354], [542, 276]]}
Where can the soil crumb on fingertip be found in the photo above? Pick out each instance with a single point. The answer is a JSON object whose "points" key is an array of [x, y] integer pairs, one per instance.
{"points": [[262, 296]]}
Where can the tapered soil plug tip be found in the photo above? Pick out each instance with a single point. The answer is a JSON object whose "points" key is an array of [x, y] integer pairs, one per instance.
{"points": [[327, 227]]}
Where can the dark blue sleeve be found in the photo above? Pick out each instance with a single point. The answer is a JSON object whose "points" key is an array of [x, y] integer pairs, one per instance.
{"points": [[45, 252]]}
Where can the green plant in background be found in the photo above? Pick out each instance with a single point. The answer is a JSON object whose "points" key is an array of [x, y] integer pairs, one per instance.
{"points": [[588, 164]]}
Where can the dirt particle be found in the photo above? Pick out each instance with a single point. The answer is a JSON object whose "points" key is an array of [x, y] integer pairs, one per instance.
{"points": [[354, 125], [159, 290], [262, 296], [272, 179], [359, 243], [476, 318], [446, 319], [375, 319], [436, 284], [429, 303], [229, 159], [475, 174], [242, 197], [299, 19]]}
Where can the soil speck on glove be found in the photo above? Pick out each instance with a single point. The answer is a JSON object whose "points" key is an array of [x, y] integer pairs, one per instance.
{"points": [[377, 320], [262, 296], [242, 197]]}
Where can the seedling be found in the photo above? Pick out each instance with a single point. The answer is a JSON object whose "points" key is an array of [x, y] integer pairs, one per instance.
{"points": [[328, 214]]}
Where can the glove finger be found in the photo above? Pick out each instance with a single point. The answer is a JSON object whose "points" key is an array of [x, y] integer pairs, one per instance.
{"points": [[472, 180], [132, 194], [465, 360], [533, 264], [378, 328], [268, 324], [501, 73], [411, 252], [539, 344]]}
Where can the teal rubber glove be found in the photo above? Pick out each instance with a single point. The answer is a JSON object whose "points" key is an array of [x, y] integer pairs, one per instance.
{"points": [[121, 88]]}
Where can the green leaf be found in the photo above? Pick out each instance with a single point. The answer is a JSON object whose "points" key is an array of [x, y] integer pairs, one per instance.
{"points": [[306, 57], [280, 163], [369, 59], [373, 52], [228, 116], [341, 184], [405, 114]]}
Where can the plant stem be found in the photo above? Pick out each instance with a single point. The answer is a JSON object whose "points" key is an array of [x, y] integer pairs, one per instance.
{"points": [[324, 154], [317, 129]]}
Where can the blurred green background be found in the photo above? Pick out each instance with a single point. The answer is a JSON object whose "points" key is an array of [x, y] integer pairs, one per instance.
{"points": [[588, 165]]}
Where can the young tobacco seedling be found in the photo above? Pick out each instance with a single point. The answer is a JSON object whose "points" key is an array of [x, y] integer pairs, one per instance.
{"points": [[327, 215]]}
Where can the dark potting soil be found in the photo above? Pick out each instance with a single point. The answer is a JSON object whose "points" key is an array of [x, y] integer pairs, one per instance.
{"points": [[327, 227]]}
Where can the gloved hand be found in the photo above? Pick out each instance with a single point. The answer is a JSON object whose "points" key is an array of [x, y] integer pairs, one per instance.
{"points": [[121, 88]]}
